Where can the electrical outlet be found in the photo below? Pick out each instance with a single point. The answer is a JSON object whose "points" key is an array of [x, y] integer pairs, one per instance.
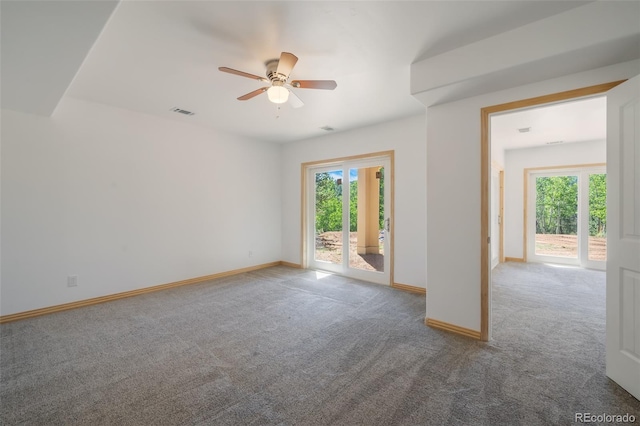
{"points": [[72, 281], [250, 253]]}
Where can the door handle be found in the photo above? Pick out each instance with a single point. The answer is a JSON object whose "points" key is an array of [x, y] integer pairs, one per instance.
{"points": [[387, 224]]}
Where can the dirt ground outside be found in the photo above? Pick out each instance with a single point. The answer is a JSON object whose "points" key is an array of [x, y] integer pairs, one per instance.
{"points": [[329, 249], [567, 246]]}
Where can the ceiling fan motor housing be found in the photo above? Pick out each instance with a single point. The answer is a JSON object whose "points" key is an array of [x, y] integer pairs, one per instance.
{"points": [[272, 74]]}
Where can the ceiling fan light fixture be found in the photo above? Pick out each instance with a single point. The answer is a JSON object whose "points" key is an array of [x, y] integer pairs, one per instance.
{"points": [[278, 94], [278, 71]]}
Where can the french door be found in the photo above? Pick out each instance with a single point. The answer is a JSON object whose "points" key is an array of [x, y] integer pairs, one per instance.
{"points": [[567, 216], [349, 219]]}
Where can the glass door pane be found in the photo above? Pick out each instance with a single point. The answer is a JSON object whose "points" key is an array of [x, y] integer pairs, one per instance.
{"points": [[366, 218], [328, 217], [556, 217], [597, 217]]}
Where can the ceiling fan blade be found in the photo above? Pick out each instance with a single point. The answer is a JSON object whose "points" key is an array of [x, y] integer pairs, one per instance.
{"points": [[286, 63], [314, 84], [252, 94], [241, 73], [294, 100]]}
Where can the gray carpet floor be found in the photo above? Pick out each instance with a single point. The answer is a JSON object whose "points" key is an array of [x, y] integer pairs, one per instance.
{"points": [[282, 346]]}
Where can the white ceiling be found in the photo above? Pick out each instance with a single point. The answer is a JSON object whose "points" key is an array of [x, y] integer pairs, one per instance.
{"points": [[152, 56], [42, 46], [569, 122]]}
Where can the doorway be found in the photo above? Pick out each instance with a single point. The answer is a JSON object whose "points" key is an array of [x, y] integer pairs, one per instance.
{"points": [[347, 216], [623, 235], [485, 159]]}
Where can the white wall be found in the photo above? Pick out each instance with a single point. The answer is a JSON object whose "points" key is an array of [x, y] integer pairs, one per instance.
{"points": [[497, 157], [126, 201], [453, 192], [405, 136], [519, 159]]}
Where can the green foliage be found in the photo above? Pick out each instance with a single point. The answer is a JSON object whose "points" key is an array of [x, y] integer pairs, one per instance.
{"points": [[598, 205], [328, 203], [353, 206], [557, 205], [331, 217]]}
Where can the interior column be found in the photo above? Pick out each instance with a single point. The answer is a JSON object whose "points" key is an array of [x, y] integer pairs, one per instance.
{"points": [[368, 206]]}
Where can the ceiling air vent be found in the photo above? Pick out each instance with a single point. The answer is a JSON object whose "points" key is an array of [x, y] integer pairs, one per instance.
{"points": [[182, 111], [524, 129], [554, 142], [327, 128]]}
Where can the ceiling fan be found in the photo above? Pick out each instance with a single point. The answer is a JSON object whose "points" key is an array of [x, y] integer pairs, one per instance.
{"points": [[278, 71]]}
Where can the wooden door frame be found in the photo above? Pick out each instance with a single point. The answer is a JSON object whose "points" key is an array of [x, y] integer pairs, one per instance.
{"points": [[500, 169], [485, 179], [501, 249], [304, 169]]}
